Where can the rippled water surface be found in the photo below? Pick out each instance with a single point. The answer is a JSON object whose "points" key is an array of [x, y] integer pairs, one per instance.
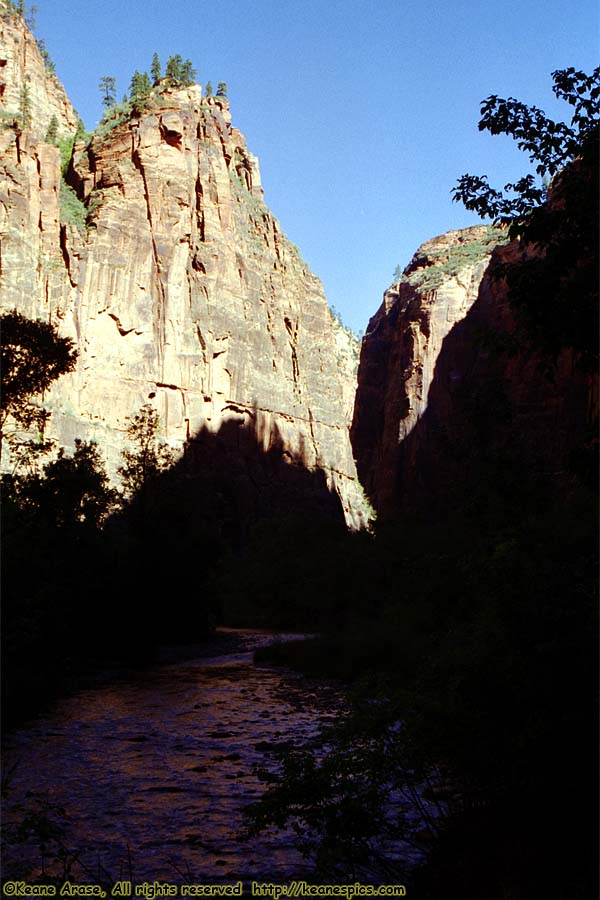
{"points": [[162, 763]]}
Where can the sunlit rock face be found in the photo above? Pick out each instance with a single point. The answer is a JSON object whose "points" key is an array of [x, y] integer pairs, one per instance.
{"points": [[21, 64], [453, 400], [32, 271], [180, 290]]}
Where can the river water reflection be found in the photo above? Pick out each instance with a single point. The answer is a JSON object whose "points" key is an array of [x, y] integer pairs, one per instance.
{"points": [[154, 770]]}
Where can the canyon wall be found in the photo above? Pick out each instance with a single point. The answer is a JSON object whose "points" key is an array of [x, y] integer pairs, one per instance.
{"points": [[454, 402], [401, 348], [162, 262], [22, 68]]}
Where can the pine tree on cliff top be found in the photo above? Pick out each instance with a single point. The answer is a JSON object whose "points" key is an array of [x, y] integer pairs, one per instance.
{"points": [[108, 89], [139, 89], [155, 71], [180, 72], [188, 73], [173, 70]]}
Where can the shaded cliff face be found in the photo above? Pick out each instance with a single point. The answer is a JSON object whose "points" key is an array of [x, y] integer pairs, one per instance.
{"points": [[401, 348], [181, 290], [454, 403]]}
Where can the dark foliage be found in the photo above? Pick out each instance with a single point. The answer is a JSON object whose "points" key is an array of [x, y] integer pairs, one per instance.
{"points": [[32, 357], [482, 644], [83, 588], [293, 576], [71, 491], [551, 145], [554, 287]]}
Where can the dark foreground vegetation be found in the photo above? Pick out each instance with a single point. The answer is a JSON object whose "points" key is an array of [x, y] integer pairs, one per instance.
{"points": [[468, 638], [480, 637]]}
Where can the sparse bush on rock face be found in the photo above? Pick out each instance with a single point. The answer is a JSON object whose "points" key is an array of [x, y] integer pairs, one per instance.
{"points": [[429, 272], [52, 133], [25, 108], [72, 210]]}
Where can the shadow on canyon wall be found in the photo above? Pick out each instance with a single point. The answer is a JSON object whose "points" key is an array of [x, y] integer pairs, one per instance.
{"points": [[488, 517], [77, 596], [501, 419], [244, 474], [268, 532]]}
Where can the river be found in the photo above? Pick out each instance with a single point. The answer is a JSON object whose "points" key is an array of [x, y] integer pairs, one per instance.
{"points": [[153, 770]]}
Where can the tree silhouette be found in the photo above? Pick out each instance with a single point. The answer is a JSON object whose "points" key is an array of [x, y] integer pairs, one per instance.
{"points": [[73, 490], [150, 457], [553, 288], [550, 145], [32, 356]]}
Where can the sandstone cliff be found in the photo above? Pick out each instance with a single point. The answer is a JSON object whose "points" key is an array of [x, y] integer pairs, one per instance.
{"points": [[178, 286], [452, 398], [401, 349], [22, 64]]}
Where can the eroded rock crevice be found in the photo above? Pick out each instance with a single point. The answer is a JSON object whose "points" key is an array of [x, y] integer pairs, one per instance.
{"points": [[159, 293]]}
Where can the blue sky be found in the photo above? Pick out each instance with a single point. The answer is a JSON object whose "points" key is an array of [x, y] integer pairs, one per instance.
{"points": [[363, 114]]}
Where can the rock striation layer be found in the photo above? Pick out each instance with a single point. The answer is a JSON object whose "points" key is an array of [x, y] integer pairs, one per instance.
{"points": [[178, 286]]}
